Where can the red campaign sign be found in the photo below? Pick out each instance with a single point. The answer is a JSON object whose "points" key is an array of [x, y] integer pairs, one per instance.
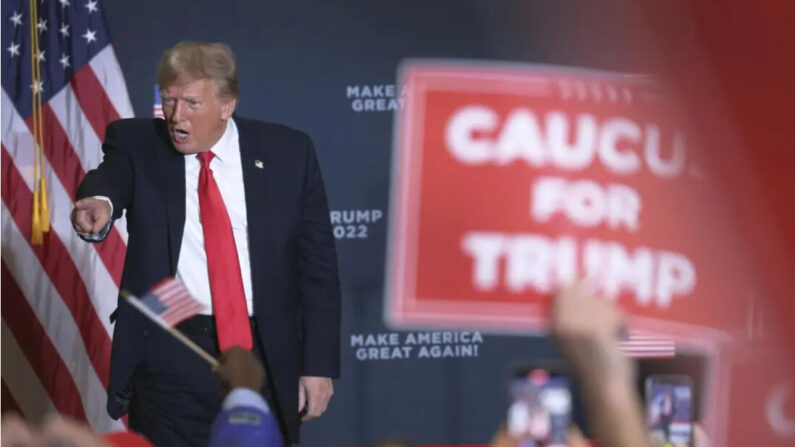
{"points": [[512, 180], [760, 397]]}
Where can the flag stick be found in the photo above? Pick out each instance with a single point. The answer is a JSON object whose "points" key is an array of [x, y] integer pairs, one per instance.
{"points": [[133, 300]]}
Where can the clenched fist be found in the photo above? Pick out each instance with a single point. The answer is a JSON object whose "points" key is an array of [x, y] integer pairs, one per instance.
{"points": [[90, 216]]}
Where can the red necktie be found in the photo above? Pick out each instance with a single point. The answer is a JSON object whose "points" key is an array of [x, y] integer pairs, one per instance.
{"points": [[226, 281]]}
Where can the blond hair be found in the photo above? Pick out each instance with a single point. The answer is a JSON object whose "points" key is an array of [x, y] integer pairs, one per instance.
{"points": [[191, 61]]}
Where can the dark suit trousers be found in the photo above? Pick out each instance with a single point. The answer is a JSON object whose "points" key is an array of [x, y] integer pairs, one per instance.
{"points": [[175, 394]]}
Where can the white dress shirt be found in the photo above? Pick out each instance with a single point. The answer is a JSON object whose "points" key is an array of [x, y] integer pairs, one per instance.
{"points": [[228, 173]]}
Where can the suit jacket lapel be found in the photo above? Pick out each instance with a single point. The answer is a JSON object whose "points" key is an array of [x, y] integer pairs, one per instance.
{"points": [[171, 167], [255, 179]]}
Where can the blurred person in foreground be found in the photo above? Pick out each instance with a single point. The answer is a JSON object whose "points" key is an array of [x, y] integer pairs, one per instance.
{"points": [[245, 419], [586, 327], [59, 431]]}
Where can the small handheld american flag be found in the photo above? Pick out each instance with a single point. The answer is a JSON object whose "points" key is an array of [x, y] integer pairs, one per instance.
{"points": [[640, 344], [167, 304], [171, 301]]}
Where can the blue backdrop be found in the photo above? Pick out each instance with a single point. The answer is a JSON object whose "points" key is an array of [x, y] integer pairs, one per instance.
{"points": [[328, 68]]}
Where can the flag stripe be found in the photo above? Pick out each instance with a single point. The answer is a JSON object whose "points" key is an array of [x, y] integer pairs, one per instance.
{"points": [[81, 136], [95, 276], [108, 72], [94, 271], [58, 151], [60, 268], [174, 316], [38, 349], [61, 156], [65, 162], [7, 401], [112, 251], [22, 380], [168, 289], [176, 297], [54, 317], [70, 286], [642, 344], [171, 302], [93, 100], [85, 143]]}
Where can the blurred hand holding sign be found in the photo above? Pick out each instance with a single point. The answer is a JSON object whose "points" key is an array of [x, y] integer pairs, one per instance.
{"points": [[510, 180]]}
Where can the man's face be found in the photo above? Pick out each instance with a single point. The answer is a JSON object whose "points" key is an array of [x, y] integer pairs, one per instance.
{"points": [[195, 115]]}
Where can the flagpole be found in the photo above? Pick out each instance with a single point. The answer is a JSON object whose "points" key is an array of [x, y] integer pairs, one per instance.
{"points": [[133, 300]]}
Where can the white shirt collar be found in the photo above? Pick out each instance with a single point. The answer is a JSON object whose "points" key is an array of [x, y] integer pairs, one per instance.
{"points": [[226, 148]]}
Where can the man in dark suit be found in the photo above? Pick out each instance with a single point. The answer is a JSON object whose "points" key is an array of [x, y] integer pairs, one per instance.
{"points": [[236, 210]]}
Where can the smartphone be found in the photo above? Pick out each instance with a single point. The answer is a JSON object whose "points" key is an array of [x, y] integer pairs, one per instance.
{"points": [[539, 406], [669, 409]]}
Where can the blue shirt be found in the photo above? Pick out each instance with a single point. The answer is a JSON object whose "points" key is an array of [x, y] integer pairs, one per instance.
{"points": [[245, 420]]}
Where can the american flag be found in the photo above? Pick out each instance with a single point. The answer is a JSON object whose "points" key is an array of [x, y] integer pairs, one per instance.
{"points": [[171, 302], [57, 295], [641, 344], [157, 111]]}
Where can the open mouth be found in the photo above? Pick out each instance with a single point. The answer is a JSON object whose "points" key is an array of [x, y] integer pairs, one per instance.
{"points": [[179, 135]]}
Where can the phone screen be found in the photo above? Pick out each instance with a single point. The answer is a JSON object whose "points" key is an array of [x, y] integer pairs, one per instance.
{"points": [[540, 406], [669, 410]]}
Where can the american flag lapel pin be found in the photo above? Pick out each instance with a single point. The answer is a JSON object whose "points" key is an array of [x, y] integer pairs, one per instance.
{"points": [[259, 164]]}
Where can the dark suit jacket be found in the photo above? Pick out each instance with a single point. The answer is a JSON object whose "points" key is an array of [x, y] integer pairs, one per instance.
{"points": [[293, 260]]}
